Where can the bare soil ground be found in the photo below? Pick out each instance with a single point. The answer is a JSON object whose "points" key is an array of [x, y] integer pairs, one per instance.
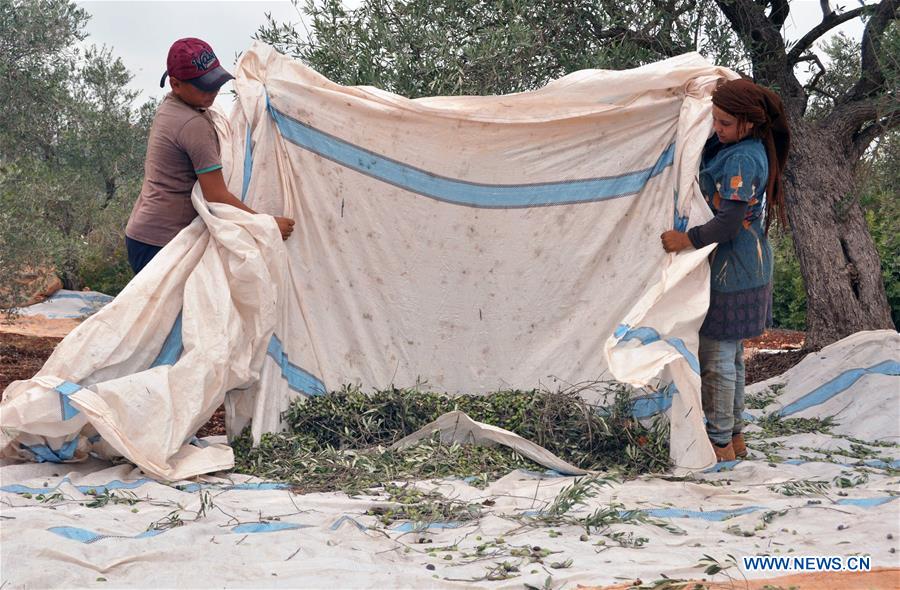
{"points": [[762, 364], [21, 356]]}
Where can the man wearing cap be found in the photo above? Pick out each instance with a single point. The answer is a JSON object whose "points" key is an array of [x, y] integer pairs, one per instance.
{"points": [[182, 149]]}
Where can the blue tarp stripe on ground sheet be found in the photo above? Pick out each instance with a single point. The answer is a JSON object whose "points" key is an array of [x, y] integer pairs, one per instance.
{"points": [[839, 384]]}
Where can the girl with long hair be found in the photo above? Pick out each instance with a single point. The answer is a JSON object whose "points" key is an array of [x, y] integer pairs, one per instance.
{"points": [[740, 178]]}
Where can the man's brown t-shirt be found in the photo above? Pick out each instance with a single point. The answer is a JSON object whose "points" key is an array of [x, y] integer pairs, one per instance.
{"points": [[182, 144]]}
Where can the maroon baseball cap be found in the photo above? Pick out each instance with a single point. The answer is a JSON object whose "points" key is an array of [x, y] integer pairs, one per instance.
{"points": [[192, 60]]}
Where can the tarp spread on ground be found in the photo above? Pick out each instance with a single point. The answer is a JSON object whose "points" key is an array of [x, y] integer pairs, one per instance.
{"points": [[825, 486], [66, 304], [476, 243]]}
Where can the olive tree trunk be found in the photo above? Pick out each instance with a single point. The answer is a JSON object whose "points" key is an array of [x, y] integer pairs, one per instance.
{"points": [[838, 259]]}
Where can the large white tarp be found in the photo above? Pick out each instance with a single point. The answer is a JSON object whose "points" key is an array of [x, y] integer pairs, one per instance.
{"points": [[801, 493], [475, 243]]}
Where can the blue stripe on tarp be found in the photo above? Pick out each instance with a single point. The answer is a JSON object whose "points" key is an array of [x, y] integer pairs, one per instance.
{"points": [[96, 297], [659, 402], [866, 502], [715, 515], [720, 515], [172, 347], [298, 379], [340, 522], [76, 534], [267, 527], [722, 466], [261, 486], [877, 463], [114, 485], [679, 222], [98, 488], [711, 515], [838, 385], [646, 335], [461, 192], [895, 464], [46, 454], [258, 487], [248, 164], [679, 345], [130, 485], [65, 389], [87, 536]]}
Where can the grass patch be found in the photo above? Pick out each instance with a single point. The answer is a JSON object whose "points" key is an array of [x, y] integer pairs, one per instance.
{"points": [[337, 441]]}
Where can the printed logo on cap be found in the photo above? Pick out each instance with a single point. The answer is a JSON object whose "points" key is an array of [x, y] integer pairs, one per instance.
{"points": [[204, 60]]}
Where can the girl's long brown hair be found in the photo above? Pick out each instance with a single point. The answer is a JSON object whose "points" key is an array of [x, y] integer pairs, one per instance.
{"points": [[750, 102]]}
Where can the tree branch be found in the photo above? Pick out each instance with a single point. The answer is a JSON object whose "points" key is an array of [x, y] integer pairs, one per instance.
{"points": [[642, 39], [650, 42], [817, 90], [828, 23], [659, 42], [862, 118], [872, 77], [864, 138], [761, 37], [766, 47], [814, 58], [780, 11]]}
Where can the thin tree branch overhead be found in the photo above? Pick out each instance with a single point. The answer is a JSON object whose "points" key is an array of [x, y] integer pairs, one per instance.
{"points": [[765, 45], [647, 41], [815, 59], [780, 11], [872, 77], [845, 120], [865, 137], [828, 23], [760, 35]]}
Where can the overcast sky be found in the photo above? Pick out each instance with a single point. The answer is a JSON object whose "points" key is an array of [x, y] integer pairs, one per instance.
{"points": [[140, 33]]}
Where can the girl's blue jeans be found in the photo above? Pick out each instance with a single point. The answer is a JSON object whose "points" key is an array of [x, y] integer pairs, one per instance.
{"points": [[722, 387]]}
